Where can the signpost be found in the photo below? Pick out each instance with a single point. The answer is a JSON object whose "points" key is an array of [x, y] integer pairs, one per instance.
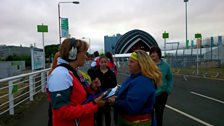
{"points": [[42, 28], [165, 36], [198, 37]]}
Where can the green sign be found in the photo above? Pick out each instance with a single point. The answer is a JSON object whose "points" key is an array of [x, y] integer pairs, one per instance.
{"points": [[14, 89], [64, 27], [165, 35], [198, 36], [42, 28]]}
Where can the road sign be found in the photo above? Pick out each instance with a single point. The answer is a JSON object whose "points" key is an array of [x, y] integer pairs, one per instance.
{"points": [[42, 28], [165, 35], [198, 36]]}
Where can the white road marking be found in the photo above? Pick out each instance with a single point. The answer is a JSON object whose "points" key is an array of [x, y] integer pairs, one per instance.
{"points": [[189, 116], [207, 97]]}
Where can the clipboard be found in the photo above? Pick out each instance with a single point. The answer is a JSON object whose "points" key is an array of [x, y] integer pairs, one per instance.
{"points": [[111, 92]]}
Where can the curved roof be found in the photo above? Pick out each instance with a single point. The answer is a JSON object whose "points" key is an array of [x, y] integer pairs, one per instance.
{"points": [[131, 38]]}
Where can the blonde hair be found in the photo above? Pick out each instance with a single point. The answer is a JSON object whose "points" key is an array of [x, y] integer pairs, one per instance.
{"points": [[148, 67], [66, 47]]}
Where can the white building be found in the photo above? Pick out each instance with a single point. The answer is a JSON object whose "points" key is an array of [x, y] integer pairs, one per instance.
{"points": [[11, 68]]}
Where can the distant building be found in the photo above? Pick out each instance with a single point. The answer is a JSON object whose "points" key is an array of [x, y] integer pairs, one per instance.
{"points": [[207, 57], [11, 68], [110, 42], [5, 51]]}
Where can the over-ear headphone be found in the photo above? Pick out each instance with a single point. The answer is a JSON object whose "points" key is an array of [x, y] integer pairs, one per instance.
{"points": [[73, 52]]}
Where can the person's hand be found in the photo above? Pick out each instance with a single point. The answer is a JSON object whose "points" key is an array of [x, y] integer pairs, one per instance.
{"points": [[96, 84], [111, 100], [99, 101]]}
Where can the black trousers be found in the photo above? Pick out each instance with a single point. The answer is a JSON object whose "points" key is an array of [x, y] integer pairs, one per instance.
{"points": [[159, 107], [50, 115], [103, 112]]}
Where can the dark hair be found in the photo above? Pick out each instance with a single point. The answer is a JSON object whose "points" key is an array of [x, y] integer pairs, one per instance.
{"points": [[157, 50], [109, 56], [96, 54]]}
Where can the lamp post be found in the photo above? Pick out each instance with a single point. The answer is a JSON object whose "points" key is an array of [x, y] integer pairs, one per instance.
{"points": [[59, 17], [89, 42], [186, 18]]}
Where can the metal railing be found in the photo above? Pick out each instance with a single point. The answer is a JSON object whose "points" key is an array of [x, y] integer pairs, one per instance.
{"points": [[19, 89]]}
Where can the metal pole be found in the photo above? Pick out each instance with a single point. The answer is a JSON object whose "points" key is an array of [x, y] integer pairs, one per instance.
{"points": [[59, 23], [59, 17], [186, 19], [165, 47], [43, 50], [211, 47], [218, 51], [186, 28], [197, 57]]}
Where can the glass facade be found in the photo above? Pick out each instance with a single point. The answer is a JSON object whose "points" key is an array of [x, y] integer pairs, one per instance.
{"points": [[110, 42]]}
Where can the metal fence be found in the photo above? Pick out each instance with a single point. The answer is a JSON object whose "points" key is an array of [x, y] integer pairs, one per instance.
{"points": [[20, 89], [206, 62]]}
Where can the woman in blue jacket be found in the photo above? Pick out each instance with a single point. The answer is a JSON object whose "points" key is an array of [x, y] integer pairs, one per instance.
{"points": [[135, 100]]}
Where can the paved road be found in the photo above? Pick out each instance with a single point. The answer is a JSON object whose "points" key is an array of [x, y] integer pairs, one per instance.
{"points": [[201, 98], [193, 102]]}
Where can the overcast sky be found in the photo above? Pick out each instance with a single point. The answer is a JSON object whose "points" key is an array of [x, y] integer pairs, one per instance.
{"points": [[96, 18]]}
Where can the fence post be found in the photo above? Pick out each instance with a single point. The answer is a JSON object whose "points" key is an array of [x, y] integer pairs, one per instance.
{"points": [[31, 89], [43, 82], [11, 98]]}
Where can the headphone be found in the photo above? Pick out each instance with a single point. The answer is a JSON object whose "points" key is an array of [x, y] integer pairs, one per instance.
{"points": [[73, 52]]}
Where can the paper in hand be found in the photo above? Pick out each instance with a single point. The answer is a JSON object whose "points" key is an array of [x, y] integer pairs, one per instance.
{"points": [[111, 92]]}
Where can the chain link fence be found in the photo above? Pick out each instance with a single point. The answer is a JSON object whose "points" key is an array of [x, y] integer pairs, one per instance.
{"points": [[206, 62]]}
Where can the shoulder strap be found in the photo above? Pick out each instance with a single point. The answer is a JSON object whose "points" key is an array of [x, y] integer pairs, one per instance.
{"points": [[67, 66]]}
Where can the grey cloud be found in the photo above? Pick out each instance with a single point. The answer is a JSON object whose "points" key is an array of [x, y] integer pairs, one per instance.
{"points": [[96, 18]]}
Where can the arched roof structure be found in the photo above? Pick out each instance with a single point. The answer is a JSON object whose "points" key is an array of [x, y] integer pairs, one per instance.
{"points": [[134, 39]]}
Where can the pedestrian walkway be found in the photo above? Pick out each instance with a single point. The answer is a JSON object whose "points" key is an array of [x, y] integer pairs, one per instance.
{"points": [[37, 115]]}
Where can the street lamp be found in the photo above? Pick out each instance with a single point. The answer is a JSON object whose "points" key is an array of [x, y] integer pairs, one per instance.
{"points": [[59, 17], [89, 42], [186, 17]]}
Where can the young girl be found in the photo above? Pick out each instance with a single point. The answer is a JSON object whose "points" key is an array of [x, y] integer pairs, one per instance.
{"points": [[108, 80]]}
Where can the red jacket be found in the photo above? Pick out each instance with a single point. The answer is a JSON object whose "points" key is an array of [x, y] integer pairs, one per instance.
{"points": [[112, 66], [68, 110]]}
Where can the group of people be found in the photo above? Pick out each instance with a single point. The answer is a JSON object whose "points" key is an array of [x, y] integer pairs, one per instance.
{"points": [[77, 100]]}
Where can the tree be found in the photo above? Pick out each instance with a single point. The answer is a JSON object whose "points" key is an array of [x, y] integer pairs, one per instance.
{"points": [[50, 50], [14, 57]]}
